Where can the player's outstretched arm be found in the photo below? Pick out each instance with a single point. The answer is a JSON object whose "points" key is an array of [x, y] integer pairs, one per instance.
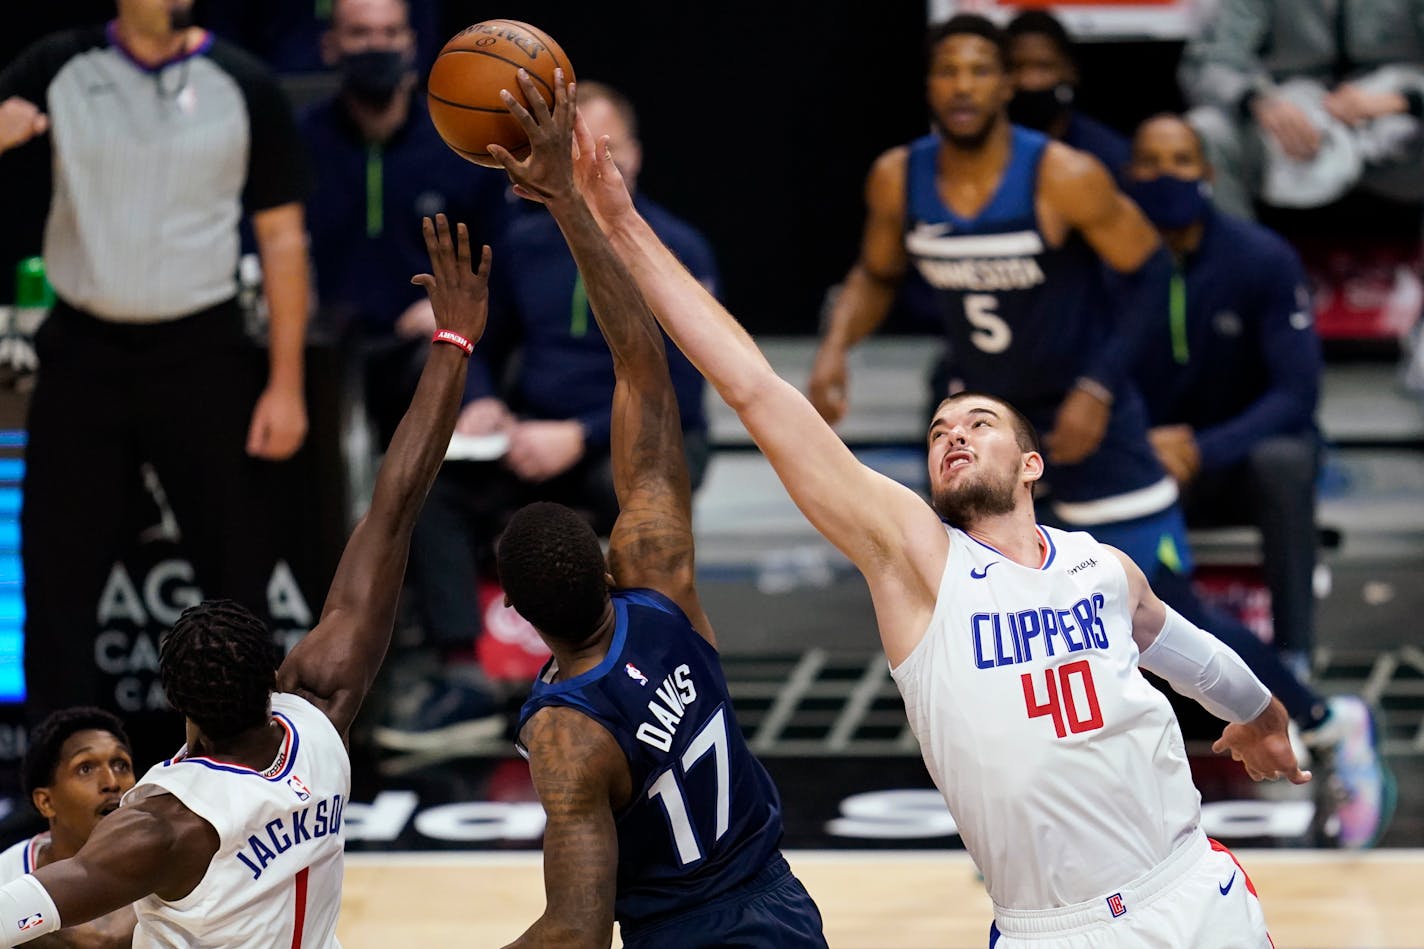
{"points": [[869, 289], [885, 529], [652, 542], [1201, 667], [156, 846], [336, 663], [1079, 190], [581, 776]]}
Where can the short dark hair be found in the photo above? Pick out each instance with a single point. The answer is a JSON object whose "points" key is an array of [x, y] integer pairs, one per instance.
{"points": [[1042, 23], [218, 666], [1175, 117], [971, 24], [1024, 432], [591, 90], [552, 569], [49, 736]]}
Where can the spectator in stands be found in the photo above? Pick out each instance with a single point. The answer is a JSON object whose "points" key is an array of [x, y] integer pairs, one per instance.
{"points": [[381, 168], [555, 413], [289, 36], [161, 139], [1302, 97], [1045, 75], [1230, 366]]}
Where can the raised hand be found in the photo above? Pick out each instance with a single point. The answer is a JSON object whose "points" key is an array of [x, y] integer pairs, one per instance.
{"points": [[1288, 124], [1078, 428], [458, 295], [598, 176], [829, 384], [548, 173]]}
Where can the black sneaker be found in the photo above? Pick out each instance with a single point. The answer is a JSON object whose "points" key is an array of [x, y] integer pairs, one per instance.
{"points": [[444, 714]]}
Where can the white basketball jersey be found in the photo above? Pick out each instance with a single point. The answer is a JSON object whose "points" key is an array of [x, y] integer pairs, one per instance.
{"points": [[276, 878], [19, 859], [1063, 767]]}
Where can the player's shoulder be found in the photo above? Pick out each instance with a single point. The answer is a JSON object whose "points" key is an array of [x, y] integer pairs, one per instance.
{"points": [[309, 722], [18, 859], [887, 182], [567, 738], [653, 599], [1066, 166], [895, 161]]}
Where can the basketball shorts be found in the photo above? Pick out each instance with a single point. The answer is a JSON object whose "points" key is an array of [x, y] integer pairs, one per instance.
{"points": [[1199, 897], [772, 910], [1155, 542]]}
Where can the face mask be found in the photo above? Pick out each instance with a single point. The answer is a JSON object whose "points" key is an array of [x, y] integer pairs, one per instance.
{"points": [[1170, 202], [372, 76], [1040, 108]]}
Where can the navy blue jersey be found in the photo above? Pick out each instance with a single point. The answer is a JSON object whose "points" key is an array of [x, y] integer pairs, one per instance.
{"points": [[705, 816], [1024, 319]]}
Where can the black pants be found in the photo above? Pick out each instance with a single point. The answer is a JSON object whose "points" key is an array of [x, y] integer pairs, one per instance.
{"points": [[178, 395], [1274, 489], [467, 508]]}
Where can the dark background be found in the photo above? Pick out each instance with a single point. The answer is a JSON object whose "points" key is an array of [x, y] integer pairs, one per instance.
{"points": [[759, 120]]}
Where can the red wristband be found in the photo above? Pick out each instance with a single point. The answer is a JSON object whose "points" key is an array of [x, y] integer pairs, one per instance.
{"points": [[454, 339]]}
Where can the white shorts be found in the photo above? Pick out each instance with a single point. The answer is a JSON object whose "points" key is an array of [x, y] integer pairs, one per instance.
{"points": [[1199, 897]]}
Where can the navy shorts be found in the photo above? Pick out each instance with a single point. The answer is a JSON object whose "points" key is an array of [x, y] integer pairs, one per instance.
{"points": [[772, 910]]}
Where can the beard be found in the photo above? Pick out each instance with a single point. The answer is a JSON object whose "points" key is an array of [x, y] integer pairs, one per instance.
{"points": [[984, 497], [969, 141]]}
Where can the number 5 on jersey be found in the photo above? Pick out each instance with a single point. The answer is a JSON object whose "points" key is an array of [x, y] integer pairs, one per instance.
{"points": [[1061, 703], [991, 332], [669, 792]]}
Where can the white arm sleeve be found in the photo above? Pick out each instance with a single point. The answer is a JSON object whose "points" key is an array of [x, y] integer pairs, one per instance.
{"points": [[26, 911], [1201, 667]]}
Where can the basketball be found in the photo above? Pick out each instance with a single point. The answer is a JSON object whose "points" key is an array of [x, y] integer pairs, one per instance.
{"points": [[479, 61]]}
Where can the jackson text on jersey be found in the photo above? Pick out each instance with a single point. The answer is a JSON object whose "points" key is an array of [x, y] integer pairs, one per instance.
{"points": [[283, 833]]}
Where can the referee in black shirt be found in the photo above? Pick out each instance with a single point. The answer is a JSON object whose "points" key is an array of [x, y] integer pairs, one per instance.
{"points": [[160, 138]]}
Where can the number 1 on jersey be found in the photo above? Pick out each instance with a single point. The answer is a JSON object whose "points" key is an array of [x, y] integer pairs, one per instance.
{"points": [[668, 789], [1060, 704]]}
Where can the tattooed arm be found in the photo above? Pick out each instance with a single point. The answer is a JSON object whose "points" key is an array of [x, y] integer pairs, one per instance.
{"points": [[581, 777], [651, 544]]}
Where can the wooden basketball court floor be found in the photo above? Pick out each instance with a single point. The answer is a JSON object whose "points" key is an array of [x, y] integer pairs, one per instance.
{"points": [[876, 899]]}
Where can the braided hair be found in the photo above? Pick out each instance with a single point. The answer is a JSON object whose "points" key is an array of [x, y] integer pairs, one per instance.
{"points": [[218, 666]]}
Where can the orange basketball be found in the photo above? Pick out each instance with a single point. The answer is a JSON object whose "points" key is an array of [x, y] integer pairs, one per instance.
{"points": [[464, 85]]}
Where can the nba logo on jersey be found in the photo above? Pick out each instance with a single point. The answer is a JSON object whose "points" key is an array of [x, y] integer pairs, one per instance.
{"points": [[30, 922], [298, 788], [635, 673], [1115, 905]]}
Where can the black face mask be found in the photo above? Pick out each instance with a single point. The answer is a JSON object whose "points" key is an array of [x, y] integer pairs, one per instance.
{"points": [[372, 76], [1040, 108], [1170, 202]]}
